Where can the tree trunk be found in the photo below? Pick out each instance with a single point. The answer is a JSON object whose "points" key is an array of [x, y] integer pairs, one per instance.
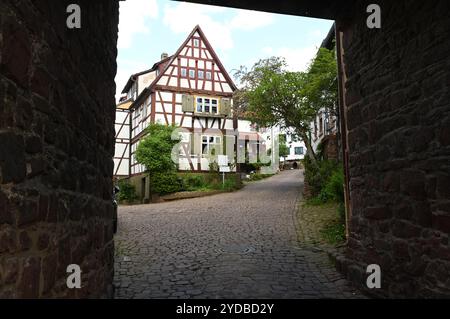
{"points": [[309, 148]]}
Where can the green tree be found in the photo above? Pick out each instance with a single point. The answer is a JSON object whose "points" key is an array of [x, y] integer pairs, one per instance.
{"points": [[283, 149], [155, 152], [271, 95]]}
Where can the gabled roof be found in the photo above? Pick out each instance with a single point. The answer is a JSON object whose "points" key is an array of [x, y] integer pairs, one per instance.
{"points": [[145, 92], [209, 47], [133, 76]]}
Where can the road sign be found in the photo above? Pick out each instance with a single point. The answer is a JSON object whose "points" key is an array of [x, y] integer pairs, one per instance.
{"points": [[222, 160], [224, 169]]}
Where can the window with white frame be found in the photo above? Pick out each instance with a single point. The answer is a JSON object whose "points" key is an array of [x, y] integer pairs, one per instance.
{"points": [[183, 72], [206, 105], [196, 43], [214, 107], [298, 150], [208, 75], [144, 111], [210, 143], [201, 74], [192, 73], [149, 105]]}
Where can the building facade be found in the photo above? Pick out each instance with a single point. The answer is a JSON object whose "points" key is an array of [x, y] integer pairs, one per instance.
{"points": [[190, 89], [324, 133], [296, 146], [325, 127]]}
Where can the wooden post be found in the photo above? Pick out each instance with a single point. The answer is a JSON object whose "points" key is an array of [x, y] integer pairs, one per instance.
{"points": [[343, 118]]}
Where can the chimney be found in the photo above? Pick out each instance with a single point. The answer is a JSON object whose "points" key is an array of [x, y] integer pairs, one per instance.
{"points": [[164, 55]]}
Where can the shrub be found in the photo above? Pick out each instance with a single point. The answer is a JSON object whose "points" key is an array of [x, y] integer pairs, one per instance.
{"points": [[155, 149], [155, 153], [334, 233], [333, 190], [192, 182], [208, 181], [231, 183], [165, 182], [127, 191], [317, 174]]}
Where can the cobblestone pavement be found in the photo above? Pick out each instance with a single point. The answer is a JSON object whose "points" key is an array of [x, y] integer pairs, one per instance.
{"points": [[233, 245]]}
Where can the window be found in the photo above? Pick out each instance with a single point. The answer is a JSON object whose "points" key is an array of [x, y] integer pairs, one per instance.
{"points": [[144, 111], [208, 75], [148, 106], [183, 72], [191, 73], [206, 105], [200, 74], [210, 143], [196, 43], [199, 104], [298, 150]]}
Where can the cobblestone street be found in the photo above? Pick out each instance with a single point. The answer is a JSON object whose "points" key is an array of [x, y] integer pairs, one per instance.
{"points": [[233, 245]]}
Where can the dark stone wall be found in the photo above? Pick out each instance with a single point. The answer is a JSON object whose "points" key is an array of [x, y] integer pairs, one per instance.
{"points": [[56, 146], [330, 147], [398, 121]]}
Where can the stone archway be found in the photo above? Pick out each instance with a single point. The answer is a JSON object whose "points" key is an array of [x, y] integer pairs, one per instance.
{"points": [[56, 142]]}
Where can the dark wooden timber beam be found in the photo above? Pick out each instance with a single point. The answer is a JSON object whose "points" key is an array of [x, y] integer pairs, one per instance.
{"points": [[324, 9]]}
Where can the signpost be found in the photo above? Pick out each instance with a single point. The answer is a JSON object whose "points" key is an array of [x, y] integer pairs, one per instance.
{"points": [[222, 161]]}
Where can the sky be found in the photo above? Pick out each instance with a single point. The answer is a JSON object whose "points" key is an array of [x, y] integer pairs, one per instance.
{"points": [[148, 28]]}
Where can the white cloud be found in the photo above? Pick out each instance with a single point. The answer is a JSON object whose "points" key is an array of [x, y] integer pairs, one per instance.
{"points": [[134, 15], [182, 17], [297, 59], [268, 50], [251, 20], [316, 34]]}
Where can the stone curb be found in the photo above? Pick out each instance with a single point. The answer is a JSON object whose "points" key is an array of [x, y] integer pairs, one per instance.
{"points": [[186, 195]]}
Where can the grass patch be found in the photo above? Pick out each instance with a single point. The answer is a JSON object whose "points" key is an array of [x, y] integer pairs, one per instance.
{"points": [[320, 223], [315, 201], [333, 233]]}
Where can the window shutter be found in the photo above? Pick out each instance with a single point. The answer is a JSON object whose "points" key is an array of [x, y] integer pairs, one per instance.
{"points": [[187, 103], [225, 107], [197, 140], [191, 144]]}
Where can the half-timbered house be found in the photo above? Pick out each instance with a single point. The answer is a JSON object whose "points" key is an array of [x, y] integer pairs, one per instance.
{"points": [[190, 89]]}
